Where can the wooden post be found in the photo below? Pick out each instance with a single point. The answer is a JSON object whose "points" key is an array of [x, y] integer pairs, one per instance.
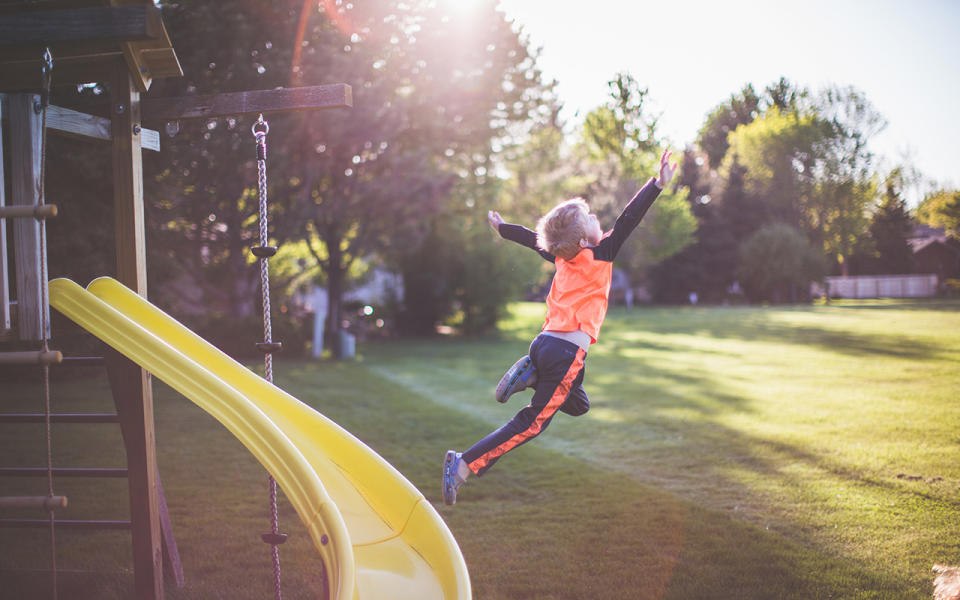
{"points": [[25, 132], [128, 383], [128, 183], [4, 275], [131, 385]]}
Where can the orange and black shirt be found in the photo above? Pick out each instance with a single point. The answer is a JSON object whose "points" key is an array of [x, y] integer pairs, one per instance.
{"points": [[581, 286]]}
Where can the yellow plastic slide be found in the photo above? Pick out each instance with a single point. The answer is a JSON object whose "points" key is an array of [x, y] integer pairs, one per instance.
{"points": [[377, 534]]}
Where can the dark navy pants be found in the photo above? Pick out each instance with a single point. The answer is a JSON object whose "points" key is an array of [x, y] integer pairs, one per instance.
{"points": [[560, 368]]}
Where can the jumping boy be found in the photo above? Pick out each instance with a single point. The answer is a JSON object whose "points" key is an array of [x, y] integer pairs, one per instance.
{"points": [[570, 237]]}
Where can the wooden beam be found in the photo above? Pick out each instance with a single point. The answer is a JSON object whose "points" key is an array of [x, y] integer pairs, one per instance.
{"points": [[25, 128], [128, 203], [107, 24], [171, 555], [75, 123], [337, 95], [133, 396], [152, 59], [24, 75], [131, 385], [4, 274]]}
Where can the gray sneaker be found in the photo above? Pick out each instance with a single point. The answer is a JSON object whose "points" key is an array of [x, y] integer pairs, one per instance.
{"points": [[518, 377], [450, 480]]}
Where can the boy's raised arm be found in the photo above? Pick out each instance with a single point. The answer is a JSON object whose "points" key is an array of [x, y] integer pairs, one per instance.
{"points": [[636, 209], [517, 233]]}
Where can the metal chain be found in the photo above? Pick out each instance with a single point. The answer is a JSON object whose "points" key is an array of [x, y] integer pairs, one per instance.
{"points": [[260, 130], [46, 68]]}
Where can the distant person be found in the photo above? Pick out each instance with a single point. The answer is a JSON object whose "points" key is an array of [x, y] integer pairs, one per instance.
{"points": [[570, 237]]}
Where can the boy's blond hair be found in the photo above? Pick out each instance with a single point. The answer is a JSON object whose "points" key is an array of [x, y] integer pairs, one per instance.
{"points": [[559, 231]]}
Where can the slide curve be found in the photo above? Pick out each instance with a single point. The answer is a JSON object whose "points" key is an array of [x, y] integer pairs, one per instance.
{"points": [[376, 533]]}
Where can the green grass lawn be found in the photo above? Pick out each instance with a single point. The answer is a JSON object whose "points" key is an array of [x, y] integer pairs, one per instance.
{"points": [[730, 452]]}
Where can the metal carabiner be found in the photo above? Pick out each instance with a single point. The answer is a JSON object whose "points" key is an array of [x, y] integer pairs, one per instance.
{"points": [[260, 122], [46, 70]]}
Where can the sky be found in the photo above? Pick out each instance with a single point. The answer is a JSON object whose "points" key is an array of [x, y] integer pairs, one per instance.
{"points": [[694, 54]]}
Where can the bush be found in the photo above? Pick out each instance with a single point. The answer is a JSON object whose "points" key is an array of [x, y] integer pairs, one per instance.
{"points": [[778, 264]]}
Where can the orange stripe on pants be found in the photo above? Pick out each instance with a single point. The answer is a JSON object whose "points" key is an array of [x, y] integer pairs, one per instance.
{"points": [[552, 406]]}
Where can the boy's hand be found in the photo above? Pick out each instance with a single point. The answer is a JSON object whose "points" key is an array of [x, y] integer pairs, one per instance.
{"points": [[666, 169], [495, 220]]}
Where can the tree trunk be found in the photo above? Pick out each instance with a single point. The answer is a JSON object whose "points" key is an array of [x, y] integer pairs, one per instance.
{"points": [[336, 274], [241, 295]]}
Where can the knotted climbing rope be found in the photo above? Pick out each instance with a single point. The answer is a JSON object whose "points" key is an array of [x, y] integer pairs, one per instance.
{"points": [[46, 71], [263, 252]]}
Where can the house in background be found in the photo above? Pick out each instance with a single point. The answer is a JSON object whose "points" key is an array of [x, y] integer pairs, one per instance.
{"points": [[936, 271], [935, 252]]}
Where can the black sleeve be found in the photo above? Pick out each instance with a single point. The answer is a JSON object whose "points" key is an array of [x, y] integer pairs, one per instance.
{"points": [[627, 221], [524, 237]]}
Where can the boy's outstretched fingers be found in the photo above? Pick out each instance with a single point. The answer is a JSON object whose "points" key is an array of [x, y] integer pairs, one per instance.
{"points": [[494, 218], [666, 168]]}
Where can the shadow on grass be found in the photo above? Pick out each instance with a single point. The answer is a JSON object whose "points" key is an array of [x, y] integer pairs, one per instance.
{"points": [[636, 430], [544, 524]]}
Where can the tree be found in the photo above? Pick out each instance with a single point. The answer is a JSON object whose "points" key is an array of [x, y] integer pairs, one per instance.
{"points": [[742, 109], [777, 264], [844, 183], [778, 153], [202, 199], [739, 109], [941, 209], [620, 151], [890, 229], [436, 91], [540, 172], [495, 101], [705, 267]]}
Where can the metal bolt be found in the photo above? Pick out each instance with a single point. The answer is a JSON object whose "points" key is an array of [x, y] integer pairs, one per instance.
{"points": [[136, 130], [120, 108]]}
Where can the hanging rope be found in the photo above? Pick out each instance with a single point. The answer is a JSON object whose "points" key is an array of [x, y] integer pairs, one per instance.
{"points": [[46, 71], [264, 252]]}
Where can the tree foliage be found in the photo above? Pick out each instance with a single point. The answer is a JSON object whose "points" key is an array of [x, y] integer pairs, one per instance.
{"points": [[741, 109], [620, 152], [890, 228], [777, 264], [438, 94], [941, 209]]}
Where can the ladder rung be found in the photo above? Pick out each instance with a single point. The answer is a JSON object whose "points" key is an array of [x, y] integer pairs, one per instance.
{"points": [[82, 361], [31, 211], [60, 418], [48, 572], [44, 502], [62, 472], [37, 357], [64, 523]]}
